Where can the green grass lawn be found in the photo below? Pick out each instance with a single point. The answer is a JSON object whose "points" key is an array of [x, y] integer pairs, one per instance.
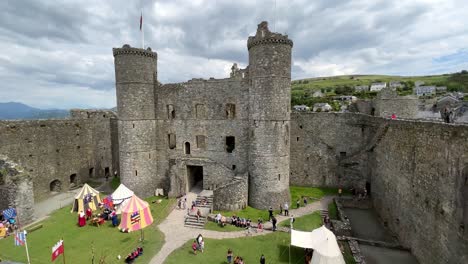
{"points": [[332, 211], [305, 223], [115, 182], [312, 192], [348, 255], [274, 246], [106, 240]]}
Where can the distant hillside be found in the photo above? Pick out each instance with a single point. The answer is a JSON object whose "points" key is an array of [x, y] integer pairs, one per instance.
{"points": [[303, 89], [14, 110]]}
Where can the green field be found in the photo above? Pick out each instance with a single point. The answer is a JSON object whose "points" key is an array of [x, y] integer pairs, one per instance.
{"points": [[106, 241], [305, 223], [302, 90]]}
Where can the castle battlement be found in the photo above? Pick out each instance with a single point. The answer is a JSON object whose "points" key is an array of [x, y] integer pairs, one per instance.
{"points": [[265, 36], [128, 50]]}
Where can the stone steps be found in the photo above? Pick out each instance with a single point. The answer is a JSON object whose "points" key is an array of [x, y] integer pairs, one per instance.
{"points": [[191, 221]]}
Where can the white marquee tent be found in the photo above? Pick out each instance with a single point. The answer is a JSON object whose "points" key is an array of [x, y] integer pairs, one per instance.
{"points": [[121, 196], [322, 241]]}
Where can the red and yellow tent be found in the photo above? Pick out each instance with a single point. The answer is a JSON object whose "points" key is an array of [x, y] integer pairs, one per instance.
{"points": [[86, 198], [136, 215]]}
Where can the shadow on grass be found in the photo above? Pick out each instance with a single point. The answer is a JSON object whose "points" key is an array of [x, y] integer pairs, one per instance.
{"points": [[297, 254]]}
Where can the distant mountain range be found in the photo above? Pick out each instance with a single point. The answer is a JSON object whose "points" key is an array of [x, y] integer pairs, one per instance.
{"points": [[14, 110]]}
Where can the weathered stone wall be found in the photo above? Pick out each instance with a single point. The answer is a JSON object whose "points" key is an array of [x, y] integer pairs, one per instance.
{"points": [[417, 188], [388, 102], [232, 196], [200, 111], [329, 149], [16, 190], [57, 149]]}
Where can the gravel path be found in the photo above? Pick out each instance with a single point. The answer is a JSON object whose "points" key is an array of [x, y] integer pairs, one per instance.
{"points": [[176, 234]]}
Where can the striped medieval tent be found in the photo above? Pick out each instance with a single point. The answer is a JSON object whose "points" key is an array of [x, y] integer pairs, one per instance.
{"points": [[86, 198], [136, 215]]}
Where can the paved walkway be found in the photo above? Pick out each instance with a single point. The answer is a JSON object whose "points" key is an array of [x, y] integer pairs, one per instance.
{"points": [[176, 234]]}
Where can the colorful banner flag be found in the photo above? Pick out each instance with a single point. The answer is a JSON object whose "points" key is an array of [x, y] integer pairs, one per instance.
{"points": [[141, 21], [9, 213], [20, 238], [135, 218], [57, 250]]}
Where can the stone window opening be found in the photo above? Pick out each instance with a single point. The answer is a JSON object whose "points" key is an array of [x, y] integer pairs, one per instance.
{"points": [[233, 167], [200, 112], [78, 147], [230, 144], [342, 154], [55, 186], [187, 148], [297, 139], [2, 180], [279, 177], [133, 125], [230, 111], [91, 172], [171, 112], [136, 173], [171, 138], [73, 180], [201, 144], [300, 126]]}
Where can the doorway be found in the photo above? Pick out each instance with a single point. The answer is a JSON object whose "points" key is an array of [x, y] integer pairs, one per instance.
{"points": [[194, 177], [368, 188]]}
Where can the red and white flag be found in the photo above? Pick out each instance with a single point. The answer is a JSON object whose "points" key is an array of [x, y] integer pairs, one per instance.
{"points": [[57, 250], [141, 21]]}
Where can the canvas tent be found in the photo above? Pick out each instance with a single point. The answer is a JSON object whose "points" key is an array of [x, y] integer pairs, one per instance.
{"points": [[86, 198], [121, 196], [322, 241]]}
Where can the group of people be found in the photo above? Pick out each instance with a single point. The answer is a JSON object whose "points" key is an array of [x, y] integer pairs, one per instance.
{"points": [[8, 225], [182, 202], [198, 244], [240, 260], [133, 255], [105, 215]]}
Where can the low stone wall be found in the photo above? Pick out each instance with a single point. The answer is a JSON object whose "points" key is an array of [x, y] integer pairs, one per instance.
{"points": [[342, 226], [232, 196]]}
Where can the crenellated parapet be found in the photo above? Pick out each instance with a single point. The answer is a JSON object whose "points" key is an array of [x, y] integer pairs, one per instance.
{"points": [[265, 36], [128, 50]]}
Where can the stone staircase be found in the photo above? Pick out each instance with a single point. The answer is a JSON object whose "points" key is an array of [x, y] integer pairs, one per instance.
{"points": [[204, 202], [323, 214]]}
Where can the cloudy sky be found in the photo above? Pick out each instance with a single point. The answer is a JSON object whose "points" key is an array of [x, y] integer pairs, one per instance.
{"points": [[58, 54]]}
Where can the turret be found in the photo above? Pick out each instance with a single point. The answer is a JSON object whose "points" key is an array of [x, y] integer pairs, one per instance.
{"points": [[136, 77], [269, 116]]}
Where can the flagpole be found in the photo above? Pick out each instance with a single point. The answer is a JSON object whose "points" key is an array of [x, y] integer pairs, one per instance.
{"points": [[63, 245], [26, 246]]}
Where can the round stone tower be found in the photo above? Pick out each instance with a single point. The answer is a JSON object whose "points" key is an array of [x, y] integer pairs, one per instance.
{"points": [[136, 77], [269, 116]]}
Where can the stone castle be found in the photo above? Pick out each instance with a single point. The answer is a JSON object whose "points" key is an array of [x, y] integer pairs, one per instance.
{"points": [[238, 137]]}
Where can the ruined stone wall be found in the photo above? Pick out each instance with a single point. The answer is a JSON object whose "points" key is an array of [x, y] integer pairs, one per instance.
{"points": [[16, 190], [329, 149], [57, 149], [401, 107], [417, 188], [202, 113]]}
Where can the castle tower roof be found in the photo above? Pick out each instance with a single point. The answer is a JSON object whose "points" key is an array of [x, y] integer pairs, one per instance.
{"points": [[265, 36]]}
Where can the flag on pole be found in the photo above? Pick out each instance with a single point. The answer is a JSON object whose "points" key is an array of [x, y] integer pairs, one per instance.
{"points": [[20, 238], [141, 21], [57, 250]]}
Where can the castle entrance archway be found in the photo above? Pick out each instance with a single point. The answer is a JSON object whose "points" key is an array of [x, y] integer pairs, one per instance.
{"points": [[194, 177]]}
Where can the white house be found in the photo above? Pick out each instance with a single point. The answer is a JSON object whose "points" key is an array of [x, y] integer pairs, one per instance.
{"points": [[324, 107], [377, 86], [395, 84], [361, 88], [425, 90], [441, 89]]}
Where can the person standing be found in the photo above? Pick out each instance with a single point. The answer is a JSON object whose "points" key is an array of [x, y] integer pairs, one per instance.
{"points": [[270, 213], [281, 209], [229, 256], [273, 221], [298, 203], [305, 201], [194, 247], [286, 209], [262, 259], [340, 191], [291, 221]]}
